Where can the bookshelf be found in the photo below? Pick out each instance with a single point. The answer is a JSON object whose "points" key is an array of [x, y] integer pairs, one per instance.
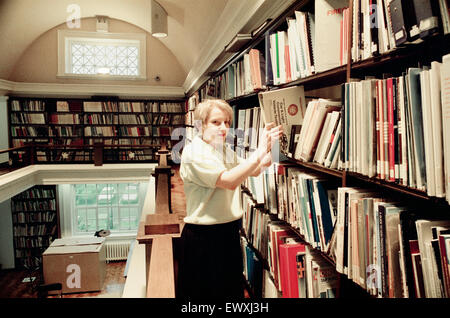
{"points": [[391, 63], [66, 130], [35, 219]]}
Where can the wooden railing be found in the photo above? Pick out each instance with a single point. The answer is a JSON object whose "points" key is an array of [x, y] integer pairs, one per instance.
{"points": [[159, 232], [98, 154]]}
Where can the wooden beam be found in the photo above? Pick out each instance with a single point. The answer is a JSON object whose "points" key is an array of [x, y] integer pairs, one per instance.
{"points": [[161, 275]]}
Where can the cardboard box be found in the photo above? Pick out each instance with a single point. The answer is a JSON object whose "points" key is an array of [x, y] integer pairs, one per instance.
{"points": [[78, 264]]}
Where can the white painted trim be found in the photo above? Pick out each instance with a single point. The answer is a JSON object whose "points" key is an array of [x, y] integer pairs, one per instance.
{"points": [[71, 90], [19, 180]]}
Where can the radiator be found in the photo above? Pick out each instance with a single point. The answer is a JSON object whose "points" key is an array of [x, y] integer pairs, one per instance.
{"points": [[117, 250]]}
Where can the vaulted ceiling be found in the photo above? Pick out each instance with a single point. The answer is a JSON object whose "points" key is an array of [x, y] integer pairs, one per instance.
{"points": [[198, 29]]}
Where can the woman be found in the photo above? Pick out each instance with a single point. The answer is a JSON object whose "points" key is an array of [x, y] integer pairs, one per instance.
{"points": [[211, 258]]}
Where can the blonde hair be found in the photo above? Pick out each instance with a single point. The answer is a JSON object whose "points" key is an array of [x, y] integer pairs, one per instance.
{"points": [[203, 109]]}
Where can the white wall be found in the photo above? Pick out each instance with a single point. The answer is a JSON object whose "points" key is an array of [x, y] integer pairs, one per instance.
{"points": [[3, 127], [6, 236]]}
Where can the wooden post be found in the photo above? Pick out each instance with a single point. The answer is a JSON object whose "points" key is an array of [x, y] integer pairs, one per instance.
{"points": [[98, 154], [157, 231]]}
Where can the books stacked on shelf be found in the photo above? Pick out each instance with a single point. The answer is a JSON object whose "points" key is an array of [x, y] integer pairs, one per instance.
{"points": [[101, 119], [318, 139], [27, 105], [290, 52], [381, 26], [400, 134], [131, 107], [386, 246], [65, 119], [94, 106], [253, 268], [135, 119], [35, 223], [169, 107], [298, 269], [100, 131], [277, 243], [28, 118], [134, 131]]}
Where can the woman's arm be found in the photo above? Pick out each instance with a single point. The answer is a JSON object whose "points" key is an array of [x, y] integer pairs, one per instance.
{"points": [[255, 164]]}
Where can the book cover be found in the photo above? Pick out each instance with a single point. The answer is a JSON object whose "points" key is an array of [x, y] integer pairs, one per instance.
{"points": [[445, 104], [436, 124], [328, 16], [284, 107], [289, 271], [415, 108]]}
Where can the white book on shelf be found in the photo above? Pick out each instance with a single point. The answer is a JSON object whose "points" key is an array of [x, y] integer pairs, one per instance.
{"points": [[292, 37], [424, 237], [300, 56], [248, 86], [427, 132], [328, 15], [312, 136], [445, 97], [310, 109], [334, 149], [402, 131], [321, 142], [273, 56], [327, 135], [436, 124], [282, 45]]}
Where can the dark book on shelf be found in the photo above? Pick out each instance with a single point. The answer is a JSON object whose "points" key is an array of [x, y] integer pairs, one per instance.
{"points": [[427, 16]]}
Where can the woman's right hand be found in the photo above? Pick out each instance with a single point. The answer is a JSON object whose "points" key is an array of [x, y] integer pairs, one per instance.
{"points": [[268, 137]]}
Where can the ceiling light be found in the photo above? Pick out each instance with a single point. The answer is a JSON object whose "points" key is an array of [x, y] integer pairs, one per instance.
{"points": [[159, 20]]}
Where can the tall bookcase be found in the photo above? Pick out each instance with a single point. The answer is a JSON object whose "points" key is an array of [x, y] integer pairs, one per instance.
{"points": [[35, 219], [129, 130], [230, 83]]}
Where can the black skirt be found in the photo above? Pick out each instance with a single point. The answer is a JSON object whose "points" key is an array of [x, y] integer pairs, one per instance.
{"points": [[210, 264]]}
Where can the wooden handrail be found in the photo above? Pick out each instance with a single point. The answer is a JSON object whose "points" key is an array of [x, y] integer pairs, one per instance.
{"points": [[157, 232]]}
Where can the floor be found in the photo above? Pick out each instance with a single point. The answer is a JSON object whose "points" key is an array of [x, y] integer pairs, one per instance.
{"points": [[12, 285]]}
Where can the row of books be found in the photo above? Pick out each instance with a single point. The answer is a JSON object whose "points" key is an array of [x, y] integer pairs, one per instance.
{"points": [[33, 230], [390, 248], [296, 270], [140, 119], [36, 193], [41, 205], [380, 26], [30, 118], [99, 119], [393, 128], [21, 217], [65, 131], [27, 105], [78, 106], [31, 242], [400, 134], [134, 131]]}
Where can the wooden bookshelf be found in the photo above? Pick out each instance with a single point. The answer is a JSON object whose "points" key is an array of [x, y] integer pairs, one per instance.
{"points": [[35, 220], [391, 63], [85, 122]]}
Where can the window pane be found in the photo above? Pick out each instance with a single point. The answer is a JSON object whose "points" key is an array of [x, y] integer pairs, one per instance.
{"points": [[80, 200], [107, 206], [81, 220], [115, 219], [120, 59]]}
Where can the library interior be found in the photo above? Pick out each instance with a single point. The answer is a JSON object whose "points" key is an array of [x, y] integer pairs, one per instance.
{"points": [[98, 100]]}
